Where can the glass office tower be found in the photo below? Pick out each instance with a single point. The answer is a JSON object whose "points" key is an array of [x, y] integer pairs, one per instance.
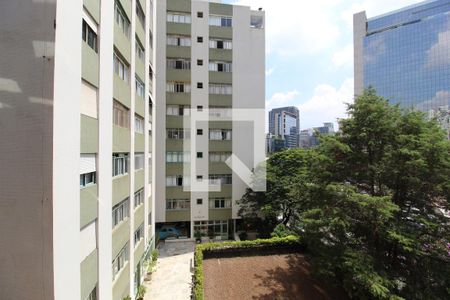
{"points": [[405, 56]]}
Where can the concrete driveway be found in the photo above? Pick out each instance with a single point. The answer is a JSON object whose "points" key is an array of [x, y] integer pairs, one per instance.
{"points": [[173, 277]]}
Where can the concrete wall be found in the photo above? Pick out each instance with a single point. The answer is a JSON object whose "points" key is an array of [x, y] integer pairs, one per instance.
{"points": [[359, 32]]}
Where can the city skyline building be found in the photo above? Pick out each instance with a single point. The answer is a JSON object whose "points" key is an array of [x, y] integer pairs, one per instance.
{"points": [[284, 123], [405, 56], [308, 138]]}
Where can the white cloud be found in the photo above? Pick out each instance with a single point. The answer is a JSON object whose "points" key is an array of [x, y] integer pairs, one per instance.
{"points": [[343, 57], [326, 105], [442, 98], [282, 99], [270, 71], [439, 54]]}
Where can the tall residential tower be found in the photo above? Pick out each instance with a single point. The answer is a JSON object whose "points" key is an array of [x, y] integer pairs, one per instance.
{"points": [[405, 56], [284, 123], [211, 60], [76, 209]]}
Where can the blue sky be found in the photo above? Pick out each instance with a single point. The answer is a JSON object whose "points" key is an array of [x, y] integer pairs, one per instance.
{"points": [[309, 53]]}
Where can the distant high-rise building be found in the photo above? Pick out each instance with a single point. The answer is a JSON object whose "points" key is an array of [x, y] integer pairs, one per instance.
{"points": [[405, 56], [284, 123], [309, 138]]}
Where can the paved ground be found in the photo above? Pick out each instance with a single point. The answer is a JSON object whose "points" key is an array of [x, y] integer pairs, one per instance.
{"points": [[265, 278], [173, 277]]}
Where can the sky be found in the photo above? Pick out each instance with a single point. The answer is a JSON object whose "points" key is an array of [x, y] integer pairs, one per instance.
{"points": [[309, 53]]}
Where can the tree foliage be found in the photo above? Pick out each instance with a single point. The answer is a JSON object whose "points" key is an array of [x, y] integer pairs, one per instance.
{"points": [[370, 202]]}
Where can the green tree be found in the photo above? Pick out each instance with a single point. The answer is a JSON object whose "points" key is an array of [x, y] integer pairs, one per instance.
{"points": [[376, 193]]}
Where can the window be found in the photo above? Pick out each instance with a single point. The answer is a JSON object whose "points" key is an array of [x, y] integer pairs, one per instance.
{"points": [[199, 131], [140, 14], [140, 53], [138, 198], [220, 112], [199, 201], [120, 260], [178, 110], [217, 203], [89, 36], [121, 68], [121, 115], [92, 295], [138, 234], [199, 108], [138, 161], [178, 87], [220, 44], [178, 17], [139, 124], [219, 156], [87, 179], [120, 164], [220, 66], [177, 157], [178, 63], [221, 21], [199, 14], [199, 62], [199, 39], [220, 134], [178, 133], [140, 88], [220, 179], [199, 178], [199, 85], [121, 20], [256, 22], [199, 154], [178, 40], [175, 180], [120, 212], [178, 204], [220, 89]]}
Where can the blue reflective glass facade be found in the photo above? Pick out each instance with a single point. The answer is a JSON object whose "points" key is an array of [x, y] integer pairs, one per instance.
{"points": [[406, 58]]}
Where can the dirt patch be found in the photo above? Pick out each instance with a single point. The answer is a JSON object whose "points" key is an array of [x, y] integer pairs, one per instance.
{"points": [[265, 277]]}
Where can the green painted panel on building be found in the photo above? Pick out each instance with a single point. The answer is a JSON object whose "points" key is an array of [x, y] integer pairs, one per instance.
{"points": [[174, 145], [220, 54], [219, 168], [220, 214], [138, 180], [220, 32], [179, 5], [142, 2], [221, 77], [88, 204], [121, 285], [140, 32], [89, 64], [178, 98], [178, 216], [178, 51], [93, 7], [226, 191], [221, 100], [174, 169], [120, 236], [139, 142], [220, 9], [121, 139], [138, 253], [126, 5], [178, 28], [120, 188], [139, 216], [88, 134], [121, 91], [140, 69], [139, 106], [174, 121], [177, 193], [89, 274], [218, 146], [122, 44], [221, 124], [178, 75]]}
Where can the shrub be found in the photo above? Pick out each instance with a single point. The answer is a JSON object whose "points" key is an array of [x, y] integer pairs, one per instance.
{"points": [[282, 231], [155, 254], [198, 292], [141, 292]]}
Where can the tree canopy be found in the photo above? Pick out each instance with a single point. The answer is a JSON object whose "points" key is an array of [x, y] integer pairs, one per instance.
{"points": [[371, 202]]}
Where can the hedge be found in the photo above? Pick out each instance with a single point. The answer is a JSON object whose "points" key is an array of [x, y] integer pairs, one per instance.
{"points": [[290, 242]]}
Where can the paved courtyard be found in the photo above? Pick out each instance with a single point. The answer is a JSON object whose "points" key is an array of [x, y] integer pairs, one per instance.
{"points": [[173, 277]]}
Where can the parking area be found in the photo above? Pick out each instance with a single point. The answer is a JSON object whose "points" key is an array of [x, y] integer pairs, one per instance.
{"points": [[173, 277]]}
